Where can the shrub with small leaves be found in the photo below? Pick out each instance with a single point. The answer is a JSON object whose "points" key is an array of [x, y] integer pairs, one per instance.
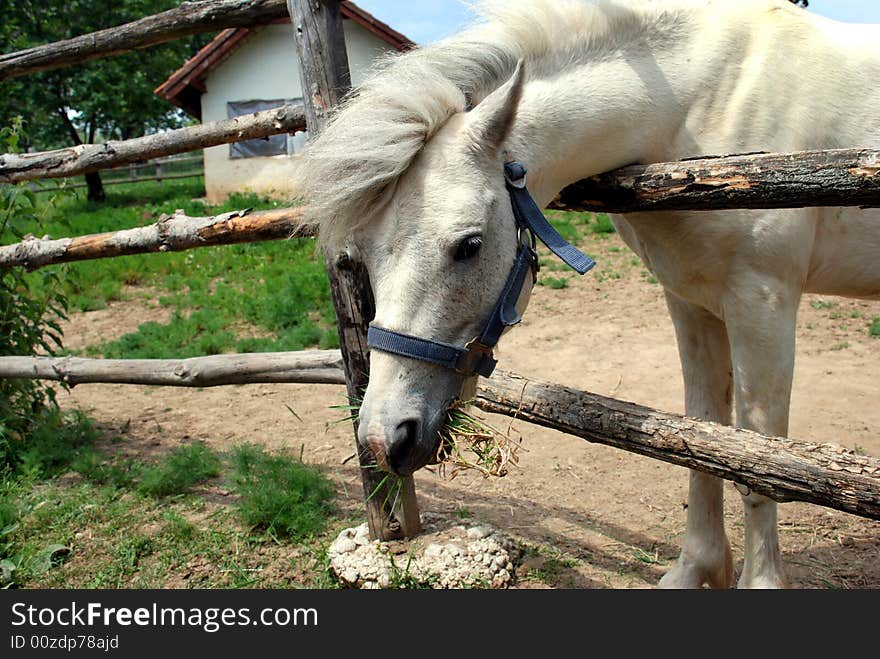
{"points": [[29, 323]]}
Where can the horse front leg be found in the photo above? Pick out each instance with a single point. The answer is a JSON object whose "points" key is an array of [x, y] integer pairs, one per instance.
{"points": [[762, 340], [705, 359]]}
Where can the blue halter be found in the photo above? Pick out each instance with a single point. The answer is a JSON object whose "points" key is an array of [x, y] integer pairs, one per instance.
{"points": [[476, 357]]}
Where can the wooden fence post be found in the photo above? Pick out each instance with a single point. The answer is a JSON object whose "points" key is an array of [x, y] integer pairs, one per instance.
{"points": [[320, 42]]}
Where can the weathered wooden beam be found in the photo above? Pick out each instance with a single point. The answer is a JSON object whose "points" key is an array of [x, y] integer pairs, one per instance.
{"points": [[782, 469], [325, 77], [189, 18], [86, 158], [307, 366], [172, 233], [840, 177], [758, 181]]}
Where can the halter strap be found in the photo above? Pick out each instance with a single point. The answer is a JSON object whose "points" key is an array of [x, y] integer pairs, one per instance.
{"points": [[528, 214], [476, 357]]}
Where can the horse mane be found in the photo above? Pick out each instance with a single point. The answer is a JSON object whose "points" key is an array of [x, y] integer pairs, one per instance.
{"points": [[350, 171]]}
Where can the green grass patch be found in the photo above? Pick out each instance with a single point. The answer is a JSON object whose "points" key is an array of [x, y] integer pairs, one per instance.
{"points": [[280, 494], [279, 288], [874, 327], [184, 467], [91, 536], [75, 515], [567, 224], [553, 282], [601, 224]]}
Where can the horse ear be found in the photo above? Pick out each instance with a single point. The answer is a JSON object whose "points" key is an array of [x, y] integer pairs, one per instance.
{"points": [[492, 119]]}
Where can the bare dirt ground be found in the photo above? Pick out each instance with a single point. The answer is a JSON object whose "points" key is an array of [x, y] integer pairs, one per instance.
{"points": [[599, 517]]}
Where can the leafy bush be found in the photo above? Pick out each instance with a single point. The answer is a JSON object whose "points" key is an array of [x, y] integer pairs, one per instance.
{"points": [[28, 321], [57, 441], [9, 516]]}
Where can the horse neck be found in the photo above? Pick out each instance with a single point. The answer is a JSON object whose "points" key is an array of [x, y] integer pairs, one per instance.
{"points": [[629, 106], [716, 77]]}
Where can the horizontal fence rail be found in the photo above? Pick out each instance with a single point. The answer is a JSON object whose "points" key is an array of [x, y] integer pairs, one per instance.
{"points": [[86, 158], [189, 18], [838, 177], [172, 233], [683, 184], [158, 178], [782, 469], [305, 366]]}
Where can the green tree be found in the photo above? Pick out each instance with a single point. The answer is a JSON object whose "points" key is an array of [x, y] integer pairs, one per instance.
{"points": [[109, 98]]}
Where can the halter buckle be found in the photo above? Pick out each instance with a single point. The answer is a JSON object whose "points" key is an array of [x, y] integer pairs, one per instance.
{"points": [[477, 358]]}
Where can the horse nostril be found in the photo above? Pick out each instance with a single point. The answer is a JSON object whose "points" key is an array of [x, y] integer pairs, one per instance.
{"points": [[403, 443]]}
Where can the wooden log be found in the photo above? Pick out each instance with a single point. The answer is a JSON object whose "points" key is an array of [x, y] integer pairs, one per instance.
{"points": [[86, 158], [782, 469], [325, 77], [308, 366], [840, 177], [189, 18], [681, 185], [172, 233]]}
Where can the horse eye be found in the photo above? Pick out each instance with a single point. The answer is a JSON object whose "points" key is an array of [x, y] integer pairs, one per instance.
{"points": [[468, 248]]}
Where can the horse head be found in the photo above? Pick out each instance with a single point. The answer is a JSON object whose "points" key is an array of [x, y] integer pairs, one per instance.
{"points": [[439, 256]]}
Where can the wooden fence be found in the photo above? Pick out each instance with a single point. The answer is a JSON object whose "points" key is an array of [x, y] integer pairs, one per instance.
{"points": [[783, 469], [165, 169]]}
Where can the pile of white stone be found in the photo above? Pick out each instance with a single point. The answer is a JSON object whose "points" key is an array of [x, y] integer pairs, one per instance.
{"points": [[447, 554]]}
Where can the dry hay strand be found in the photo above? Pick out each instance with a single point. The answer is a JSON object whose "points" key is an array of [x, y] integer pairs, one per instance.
{"points": [[468, 442]]}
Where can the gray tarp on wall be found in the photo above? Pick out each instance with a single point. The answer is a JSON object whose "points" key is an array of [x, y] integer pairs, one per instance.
{"points": [[274, 145]]}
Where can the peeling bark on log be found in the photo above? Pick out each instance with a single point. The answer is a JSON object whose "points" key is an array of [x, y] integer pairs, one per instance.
{"points": [[93, 157], [172, 233], [782, 469], [189, 18], [307, 366], [320, 43], [841, 177]]}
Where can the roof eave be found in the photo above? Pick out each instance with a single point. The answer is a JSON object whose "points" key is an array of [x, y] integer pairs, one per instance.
{"points": [[184, 87]]}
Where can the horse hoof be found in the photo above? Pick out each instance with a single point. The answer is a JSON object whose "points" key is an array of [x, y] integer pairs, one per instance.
{"points": [[764, 582], [687, 574]]}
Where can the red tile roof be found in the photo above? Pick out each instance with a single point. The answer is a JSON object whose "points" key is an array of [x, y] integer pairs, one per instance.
{"points": [[185, 86]]}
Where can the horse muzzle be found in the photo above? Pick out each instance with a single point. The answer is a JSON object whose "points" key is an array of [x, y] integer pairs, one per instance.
{"points": [[402, 447]]}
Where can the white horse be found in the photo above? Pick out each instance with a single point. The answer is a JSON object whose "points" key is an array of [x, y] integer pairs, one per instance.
{"points": [[413, 178]]}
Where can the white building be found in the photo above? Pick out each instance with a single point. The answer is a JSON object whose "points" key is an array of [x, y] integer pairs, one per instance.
{"points": [[244, 70]]}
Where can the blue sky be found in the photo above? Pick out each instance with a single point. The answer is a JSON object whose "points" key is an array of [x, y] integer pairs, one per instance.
{"points": [[428, 20]]}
